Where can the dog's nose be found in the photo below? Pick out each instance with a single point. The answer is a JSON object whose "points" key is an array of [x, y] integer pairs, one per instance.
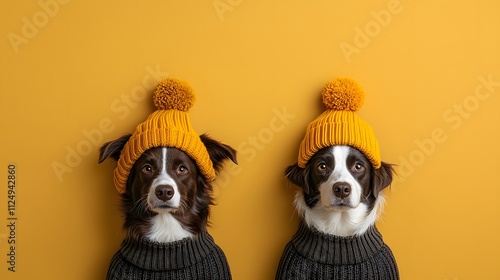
{"points": [[164, 192], [341, 189]]}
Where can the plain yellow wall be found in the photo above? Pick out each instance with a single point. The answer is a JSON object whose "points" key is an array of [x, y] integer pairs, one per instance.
{"points": [[75, 74]]}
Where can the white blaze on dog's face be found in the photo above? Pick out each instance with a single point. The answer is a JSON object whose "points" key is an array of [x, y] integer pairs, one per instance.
{"points": [[163, 194], [340, 190]]}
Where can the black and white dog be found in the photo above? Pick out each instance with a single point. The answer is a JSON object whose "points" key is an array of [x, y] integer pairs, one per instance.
{"points": [[167, 199], [341, 192], [339, 201]]}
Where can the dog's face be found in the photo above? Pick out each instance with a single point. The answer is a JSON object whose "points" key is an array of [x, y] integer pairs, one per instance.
{"points": [[167, 198], [343, 177], [339, 184], [165, 178]]}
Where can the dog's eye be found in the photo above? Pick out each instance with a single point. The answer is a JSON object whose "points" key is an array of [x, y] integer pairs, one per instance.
{"points": [[358, 167], [321, 167], [181, 170], [147, 169]]}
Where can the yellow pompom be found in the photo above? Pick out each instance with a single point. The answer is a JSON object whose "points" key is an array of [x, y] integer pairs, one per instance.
{"points": [[174, 94], [343, 94]]}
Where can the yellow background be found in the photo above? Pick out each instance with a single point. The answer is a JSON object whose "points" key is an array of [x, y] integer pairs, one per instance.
{"points": [[430, 69]]}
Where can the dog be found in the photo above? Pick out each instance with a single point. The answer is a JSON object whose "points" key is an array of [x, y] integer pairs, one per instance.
{"points": [[166, 206], [339, 201]]}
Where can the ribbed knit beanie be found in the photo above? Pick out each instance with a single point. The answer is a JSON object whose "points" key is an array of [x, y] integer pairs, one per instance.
{"points": [[168, 126], [339, 124]]}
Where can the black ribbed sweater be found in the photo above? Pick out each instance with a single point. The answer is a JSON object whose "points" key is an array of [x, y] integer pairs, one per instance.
{"points": [[314, 255], [189, 258]]}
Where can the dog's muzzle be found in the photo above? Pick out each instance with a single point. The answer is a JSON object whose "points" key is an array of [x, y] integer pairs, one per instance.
{"points": [[164, 192], [341, 192], [163, 198]]}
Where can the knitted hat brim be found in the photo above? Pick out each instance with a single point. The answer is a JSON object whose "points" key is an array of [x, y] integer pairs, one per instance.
{"points": [[334, 128]]}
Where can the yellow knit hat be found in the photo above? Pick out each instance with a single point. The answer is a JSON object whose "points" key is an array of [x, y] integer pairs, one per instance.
{"points": [[339, 124], [169, 126]]}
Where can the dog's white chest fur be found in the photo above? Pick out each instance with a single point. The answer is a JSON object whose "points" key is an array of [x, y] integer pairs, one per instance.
{"points": [[166, 228], [341, 223]]}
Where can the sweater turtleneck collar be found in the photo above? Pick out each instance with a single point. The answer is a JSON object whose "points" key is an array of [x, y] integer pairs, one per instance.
{"points": [[156, 256], [336, 250]]}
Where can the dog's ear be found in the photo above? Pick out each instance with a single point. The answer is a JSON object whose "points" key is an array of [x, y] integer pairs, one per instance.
{"points": [[382, 178], [218, 152], [298, 176], [113, 148]]}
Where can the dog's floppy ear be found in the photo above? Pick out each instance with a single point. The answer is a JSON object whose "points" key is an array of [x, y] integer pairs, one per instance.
{"points": [[382, 178], [298, 176], [113, 148], [218, 152]]}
